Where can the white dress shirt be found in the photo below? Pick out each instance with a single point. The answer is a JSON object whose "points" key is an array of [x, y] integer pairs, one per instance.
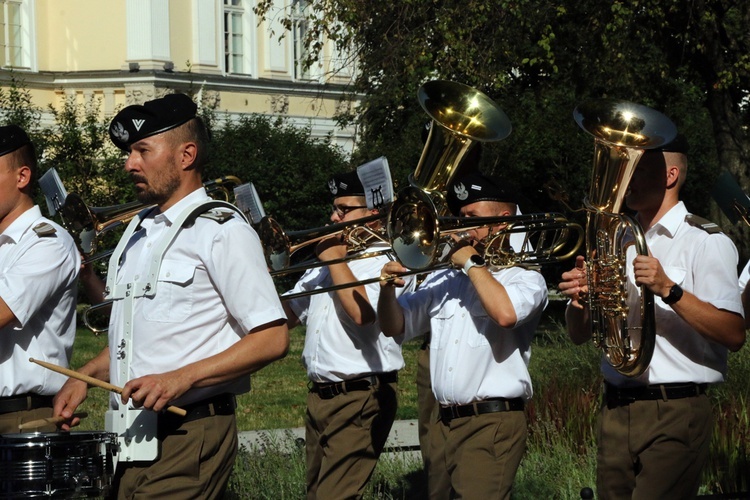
{"points": [[704, 264], [471, 357], [213, 288], [336, 348], [38, 276]]}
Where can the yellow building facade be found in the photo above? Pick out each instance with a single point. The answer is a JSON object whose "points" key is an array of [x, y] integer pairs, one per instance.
{"points": [[122, 52]]}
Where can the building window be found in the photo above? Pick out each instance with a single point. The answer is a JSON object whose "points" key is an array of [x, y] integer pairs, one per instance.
{"points": [[300, 27], [233, 36], [11, 55]]}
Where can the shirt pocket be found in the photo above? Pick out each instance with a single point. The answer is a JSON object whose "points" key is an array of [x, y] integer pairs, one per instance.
{"points": [[443, 326], [477, 336], [173, 301]]}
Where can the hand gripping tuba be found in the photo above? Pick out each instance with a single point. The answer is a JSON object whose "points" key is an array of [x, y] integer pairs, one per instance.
{"points": [[622, 131]]}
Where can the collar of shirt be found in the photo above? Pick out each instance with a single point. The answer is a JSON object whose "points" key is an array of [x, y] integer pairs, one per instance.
{"points": [[18, 227], [168, 216], [670, 222]]}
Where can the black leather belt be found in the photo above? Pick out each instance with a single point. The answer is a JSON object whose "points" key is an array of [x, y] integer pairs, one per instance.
{"points": [[223, 404], [622, 396], [24, 402], [333, 389], [448, 413]]}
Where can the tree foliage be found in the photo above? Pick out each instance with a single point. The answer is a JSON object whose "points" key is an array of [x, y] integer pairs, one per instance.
{"points": [[538, 60]]}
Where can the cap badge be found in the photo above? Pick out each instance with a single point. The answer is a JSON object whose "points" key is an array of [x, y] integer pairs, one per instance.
{"points": [[461, 192], [332, 186], [119, 132]]}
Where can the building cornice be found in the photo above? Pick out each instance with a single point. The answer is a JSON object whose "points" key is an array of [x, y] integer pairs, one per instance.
{"points": [[181, 81]]}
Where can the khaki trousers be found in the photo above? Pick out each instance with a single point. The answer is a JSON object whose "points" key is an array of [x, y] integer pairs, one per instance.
{"points": [[476, 457], [426, 405], [653, 449], [344, 437], [9, 422], [195, 461]]}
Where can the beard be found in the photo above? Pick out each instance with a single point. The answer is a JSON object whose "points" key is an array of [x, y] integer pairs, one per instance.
{"points": [[158, 192]]}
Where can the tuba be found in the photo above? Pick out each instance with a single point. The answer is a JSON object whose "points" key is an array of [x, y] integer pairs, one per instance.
{"points": [[418, 229], [622, 131]]}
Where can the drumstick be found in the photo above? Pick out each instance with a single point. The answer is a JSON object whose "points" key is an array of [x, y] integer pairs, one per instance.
{"points": [[49, 420], [96, 382]]}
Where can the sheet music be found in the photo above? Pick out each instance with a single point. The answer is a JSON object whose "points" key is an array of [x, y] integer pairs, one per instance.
{"points": [[247, 199], [54, 191], [375, 176]]}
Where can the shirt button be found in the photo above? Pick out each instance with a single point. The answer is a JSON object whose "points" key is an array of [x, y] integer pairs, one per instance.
{"points": [[137, 277], [317, 331], [169, 274], [450, 369], [455, 341], [148, 245]]}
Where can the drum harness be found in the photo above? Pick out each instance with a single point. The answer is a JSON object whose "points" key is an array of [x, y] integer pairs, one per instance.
{"points": [[141, 424]]}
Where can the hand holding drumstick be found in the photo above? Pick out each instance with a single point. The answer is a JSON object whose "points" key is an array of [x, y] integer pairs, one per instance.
{"points": [[42, 422], [95, 382]]}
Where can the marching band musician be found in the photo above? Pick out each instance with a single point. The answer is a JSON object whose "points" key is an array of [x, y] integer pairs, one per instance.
{"points": [[351, 365], [38, 272], [654, 429], [482, 321], [194, 313]]}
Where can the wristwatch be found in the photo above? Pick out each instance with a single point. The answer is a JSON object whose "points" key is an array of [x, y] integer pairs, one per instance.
{"points": [[474, 261], [675, 294]]}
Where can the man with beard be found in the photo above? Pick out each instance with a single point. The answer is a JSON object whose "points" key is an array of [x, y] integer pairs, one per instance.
{"points": [[38, 271], [654, 429], [194, 313]]}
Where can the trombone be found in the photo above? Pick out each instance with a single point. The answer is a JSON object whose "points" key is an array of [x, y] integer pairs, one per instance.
{"points": [[420, 237], [279, 247]]}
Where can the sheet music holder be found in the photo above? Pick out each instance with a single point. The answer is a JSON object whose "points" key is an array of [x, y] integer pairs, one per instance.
{"points": [[247, 199], [54, 191], [375, 176], [729, 196]]}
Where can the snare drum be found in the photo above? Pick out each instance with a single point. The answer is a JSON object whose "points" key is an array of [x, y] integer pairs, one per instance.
{"points": [[58, 464]]}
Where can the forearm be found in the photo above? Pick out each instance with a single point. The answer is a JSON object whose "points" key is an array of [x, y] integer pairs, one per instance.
{"points": [[493, 297], [746, 305], [93, 286], [254, 351], [578, 323], [717, 325], [97, 367], [390, 314], [353, 299]]}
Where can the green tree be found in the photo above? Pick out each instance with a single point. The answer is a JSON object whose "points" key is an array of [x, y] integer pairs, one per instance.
{"points": [[538, 60], [289, 168]]}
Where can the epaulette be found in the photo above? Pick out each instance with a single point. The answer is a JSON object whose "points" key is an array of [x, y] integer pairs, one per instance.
{"points": [[218, 215], [705, 224], [44, 229]]}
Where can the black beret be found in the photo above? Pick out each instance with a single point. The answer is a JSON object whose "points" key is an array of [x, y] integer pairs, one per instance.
{"points": [[12, 137], [678, 145], [346, 184], [138, 122], [475, 187]]}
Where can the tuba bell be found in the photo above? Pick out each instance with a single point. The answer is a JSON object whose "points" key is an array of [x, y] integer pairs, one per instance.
{"points": [[622, 131]]}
